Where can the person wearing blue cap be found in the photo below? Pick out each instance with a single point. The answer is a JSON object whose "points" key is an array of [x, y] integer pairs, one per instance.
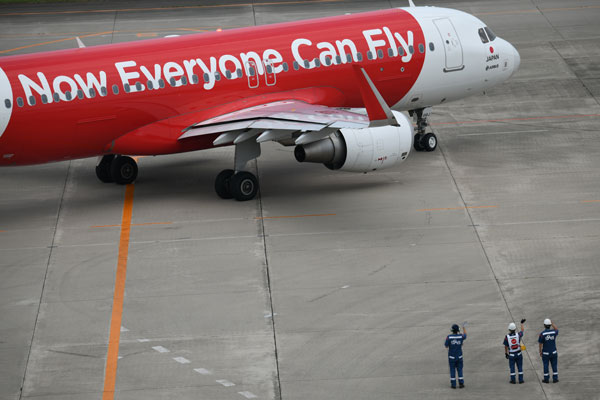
{"points": [[548, 352], [454, 344]]}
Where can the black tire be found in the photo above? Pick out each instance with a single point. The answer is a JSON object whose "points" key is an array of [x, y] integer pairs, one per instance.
{"points": [[429, 142], [222, 184], [243, 186], [123, 170], [103, 169], [417, 142]]}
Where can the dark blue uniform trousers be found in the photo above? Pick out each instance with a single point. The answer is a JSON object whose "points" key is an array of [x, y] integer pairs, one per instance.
{"points": [[550, 359], [515, 358], [456, 364]]}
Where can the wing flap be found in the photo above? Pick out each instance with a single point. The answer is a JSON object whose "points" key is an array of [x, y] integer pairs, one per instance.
{"points": [[281, 116]]}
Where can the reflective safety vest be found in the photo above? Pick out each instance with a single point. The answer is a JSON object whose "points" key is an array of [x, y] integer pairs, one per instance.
{"points": [[514, 344]]}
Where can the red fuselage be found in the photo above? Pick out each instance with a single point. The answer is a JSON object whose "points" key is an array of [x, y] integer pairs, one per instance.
{"points": [[190, 83]]}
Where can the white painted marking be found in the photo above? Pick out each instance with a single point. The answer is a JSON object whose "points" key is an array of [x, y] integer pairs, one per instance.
{"points": [[270, 315], [123, 329], [161, 349], [181, 360], [225, 382], [248, 395], [345, 286], [119, 357], [202, 371], [500, 133], [143, 340]]}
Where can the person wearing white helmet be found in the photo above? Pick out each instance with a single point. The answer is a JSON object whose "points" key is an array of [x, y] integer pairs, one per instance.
{"points": [[548, 352], [512, 350]]}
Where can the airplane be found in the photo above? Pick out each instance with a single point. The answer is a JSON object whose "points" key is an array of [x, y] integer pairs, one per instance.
{"points": [[337, 88]]}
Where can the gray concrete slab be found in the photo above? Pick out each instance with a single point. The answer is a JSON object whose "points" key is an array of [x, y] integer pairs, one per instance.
{"points": [[501, 222]]}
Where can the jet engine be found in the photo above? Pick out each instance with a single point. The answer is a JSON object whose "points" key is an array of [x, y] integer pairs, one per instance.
{"points": [[361, 150]]}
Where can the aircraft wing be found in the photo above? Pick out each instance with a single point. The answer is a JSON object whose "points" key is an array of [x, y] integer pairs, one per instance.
{"points": [[279, 121]]}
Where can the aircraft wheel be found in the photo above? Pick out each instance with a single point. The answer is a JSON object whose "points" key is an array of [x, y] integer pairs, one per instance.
{"points": [[417, 142], [429, 142], [243, 186], [123, 170], [222, 184], [103, 168]]}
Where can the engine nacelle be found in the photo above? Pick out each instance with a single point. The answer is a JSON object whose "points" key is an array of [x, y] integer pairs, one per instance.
{"points": [[361, 150]]}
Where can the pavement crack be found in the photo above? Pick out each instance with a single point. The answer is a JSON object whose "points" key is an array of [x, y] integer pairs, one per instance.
{"points": [[50, 252], [261, 222]]}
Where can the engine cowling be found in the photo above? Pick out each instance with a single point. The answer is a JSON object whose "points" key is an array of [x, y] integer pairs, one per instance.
{"points": [[361, 150]]}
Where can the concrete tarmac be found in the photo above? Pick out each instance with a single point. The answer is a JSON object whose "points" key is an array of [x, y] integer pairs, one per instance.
{"points": [[329, 285]]}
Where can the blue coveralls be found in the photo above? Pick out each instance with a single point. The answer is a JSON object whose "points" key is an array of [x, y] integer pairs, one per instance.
{"points": [[454, 344], [549, 353], [514, 354]]}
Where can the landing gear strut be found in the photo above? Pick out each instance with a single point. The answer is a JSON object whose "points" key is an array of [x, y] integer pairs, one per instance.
{"points": [[423, 141], [239, 184], [115, 168]]}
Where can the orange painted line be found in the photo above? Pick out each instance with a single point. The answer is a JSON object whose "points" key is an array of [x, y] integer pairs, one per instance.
{"points": [[296, 216], [112, 356], [147, 34], [53, 41], [270, 3], [142, 224], [480, 121], [455, 208]]}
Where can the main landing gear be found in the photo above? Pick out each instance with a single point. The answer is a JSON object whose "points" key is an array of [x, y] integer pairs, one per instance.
{"points": [[116, 168], [423, 141], [239, 184]]}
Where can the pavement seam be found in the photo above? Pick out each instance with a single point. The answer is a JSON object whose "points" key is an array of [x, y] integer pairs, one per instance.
{"points": [[37, 315], [268, 278], [487, 258]]}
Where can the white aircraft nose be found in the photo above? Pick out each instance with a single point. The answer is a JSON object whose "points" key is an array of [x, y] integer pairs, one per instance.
{"points": [[516, 59]]}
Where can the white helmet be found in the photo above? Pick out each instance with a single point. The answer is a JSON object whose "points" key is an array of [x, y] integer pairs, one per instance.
{"points": [[547, 321], [512, 326]]}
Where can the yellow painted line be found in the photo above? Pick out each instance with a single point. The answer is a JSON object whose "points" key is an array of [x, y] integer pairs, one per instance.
{"points": [[147, 34], [296, 216], [112, 356], [584, 201], [455, 208], [269, 3], [142, 224], [53, 41]]}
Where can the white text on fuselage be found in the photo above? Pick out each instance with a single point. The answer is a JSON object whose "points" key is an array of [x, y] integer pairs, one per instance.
{"points": [[135, 78]]}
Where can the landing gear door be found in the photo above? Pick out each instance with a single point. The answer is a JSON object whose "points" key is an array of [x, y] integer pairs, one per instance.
{"points": [[452, 46]]}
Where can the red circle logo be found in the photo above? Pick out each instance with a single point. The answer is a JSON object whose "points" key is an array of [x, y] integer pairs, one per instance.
{"points": [[491, 50], [514, 341]]}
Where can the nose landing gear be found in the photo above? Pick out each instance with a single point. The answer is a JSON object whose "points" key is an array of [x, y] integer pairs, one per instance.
{"points": [[423, 141]]}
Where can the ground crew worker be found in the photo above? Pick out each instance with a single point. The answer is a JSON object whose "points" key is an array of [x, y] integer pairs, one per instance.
{"points": [[454, 344], [548, 352], [512, 350]]}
